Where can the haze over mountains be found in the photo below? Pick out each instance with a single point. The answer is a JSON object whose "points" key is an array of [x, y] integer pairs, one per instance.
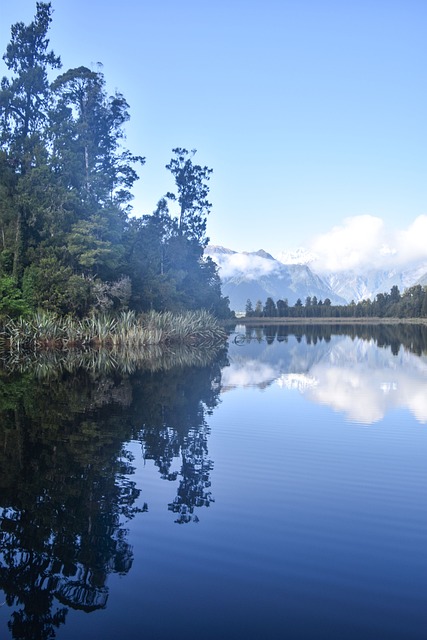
{"points": [[356, 260], [298, 274]]}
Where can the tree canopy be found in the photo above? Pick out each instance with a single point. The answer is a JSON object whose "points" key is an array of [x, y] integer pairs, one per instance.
{"points": [[66, 178]]}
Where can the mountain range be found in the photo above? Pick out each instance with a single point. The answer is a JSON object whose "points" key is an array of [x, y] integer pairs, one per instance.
{"points": [[258, 275]]}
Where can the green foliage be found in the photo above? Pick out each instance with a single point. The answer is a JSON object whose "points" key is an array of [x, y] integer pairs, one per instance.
{"points": [[48, 329], [94, 248], [191, 183], [249, 310], [282, 308], [65, 187], [50, 285], [12, 303], [24, 98], [270, 309]]}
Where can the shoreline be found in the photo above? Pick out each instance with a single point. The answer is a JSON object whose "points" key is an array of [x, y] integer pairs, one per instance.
{"points": [[330, 321]]}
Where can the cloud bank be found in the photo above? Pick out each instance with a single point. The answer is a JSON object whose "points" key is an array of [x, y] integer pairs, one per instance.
{"points": [[359, 244], [363, 242], [252, 266]]}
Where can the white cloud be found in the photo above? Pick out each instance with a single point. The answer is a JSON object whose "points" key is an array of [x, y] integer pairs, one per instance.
{"points": [[358, 244], [365, 242], [412, 241], [251, 266], [248, 373]]}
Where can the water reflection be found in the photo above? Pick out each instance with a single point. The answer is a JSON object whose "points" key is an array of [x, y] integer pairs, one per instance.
{"points": [[66, 485], [115, 360], [363, 372], [67, 476]]}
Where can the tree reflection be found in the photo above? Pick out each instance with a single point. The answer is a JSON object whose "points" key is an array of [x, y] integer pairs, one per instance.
{"points": [[194, 487], [66, 488], [412, 337], [171, 410], [65, 493]]}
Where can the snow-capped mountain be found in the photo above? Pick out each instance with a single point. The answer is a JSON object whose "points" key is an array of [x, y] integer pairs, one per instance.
{"points": [[361, 286], [352, 285], [257, 276]]}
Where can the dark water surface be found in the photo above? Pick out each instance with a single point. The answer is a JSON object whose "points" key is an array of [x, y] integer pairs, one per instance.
{"points": [[278, 492]]}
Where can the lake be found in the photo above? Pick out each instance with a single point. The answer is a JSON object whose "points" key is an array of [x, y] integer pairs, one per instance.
{"points": [[275, 489]]}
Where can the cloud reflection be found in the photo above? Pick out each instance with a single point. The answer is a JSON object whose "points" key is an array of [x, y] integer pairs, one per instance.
{"points": [[353, 377]]}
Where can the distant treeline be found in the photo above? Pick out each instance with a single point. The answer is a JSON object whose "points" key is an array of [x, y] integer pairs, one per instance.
{"points": [[69, 243], [412, 303]]}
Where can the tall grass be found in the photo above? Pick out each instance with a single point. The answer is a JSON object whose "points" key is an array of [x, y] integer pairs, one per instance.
{"points": [[45, 330]]}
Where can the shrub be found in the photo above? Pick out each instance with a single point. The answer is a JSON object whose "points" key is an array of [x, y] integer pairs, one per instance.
{"points": [[12, 303]]}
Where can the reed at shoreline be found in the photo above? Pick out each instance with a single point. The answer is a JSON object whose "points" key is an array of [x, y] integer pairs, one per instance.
{"points": [[45, 330]]}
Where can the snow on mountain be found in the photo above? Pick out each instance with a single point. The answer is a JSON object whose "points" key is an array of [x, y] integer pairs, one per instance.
{"points": [[257, 276], [296, 256], [361, 286], [363, 283]]}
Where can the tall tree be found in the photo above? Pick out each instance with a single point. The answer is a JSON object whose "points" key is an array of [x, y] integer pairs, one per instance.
{"points": [[24, 101], [249, 310], [270, 309], [191, 183], [87, 130], [148, 247], [282, 308], [86, 135]]}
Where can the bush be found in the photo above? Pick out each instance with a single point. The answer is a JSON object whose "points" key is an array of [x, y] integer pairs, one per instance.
{"points": [[12, 303], [53, 287]]}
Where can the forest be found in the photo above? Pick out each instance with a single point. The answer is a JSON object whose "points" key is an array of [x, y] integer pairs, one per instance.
{"points": [[70, 243], [412, 303]]}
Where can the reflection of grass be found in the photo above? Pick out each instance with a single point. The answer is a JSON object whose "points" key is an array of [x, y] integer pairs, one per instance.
{"points": [[45, 330], [125, 360]]}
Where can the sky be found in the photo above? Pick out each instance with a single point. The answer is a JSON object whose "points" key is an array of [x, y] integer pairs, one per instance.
{"points": [[312, 113]]}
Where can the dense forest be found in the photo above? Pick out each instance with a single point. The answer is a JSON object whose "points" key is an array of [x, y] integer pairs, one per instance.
{"points": [[68, 241], [412, 303]]}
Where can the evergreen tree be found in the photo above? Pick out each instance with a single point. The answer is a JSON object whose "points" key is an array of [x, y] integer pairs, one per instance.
{"points": [[270, 310], [24, 102], [192, 192], [282, 308], [86, 130], [249, 310]]}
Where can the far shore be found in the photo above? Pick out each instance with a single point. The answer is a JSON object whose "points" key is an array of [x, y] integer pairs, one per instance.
{"points": [[301, 321]]}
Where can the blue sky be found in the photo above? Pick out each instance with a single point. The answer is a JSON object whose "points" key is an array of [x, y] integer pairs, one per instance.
{"points": [[309, 111]]}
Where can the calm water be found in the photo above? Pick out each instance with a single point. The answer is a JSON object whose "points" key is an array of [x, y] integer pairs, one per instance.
{"points": [[279, 492]]}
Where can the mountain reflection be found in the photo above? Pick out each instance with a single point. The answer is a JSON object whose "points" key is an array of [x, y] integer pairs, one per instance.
{"points": [[363, 372], [66, 487]]}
